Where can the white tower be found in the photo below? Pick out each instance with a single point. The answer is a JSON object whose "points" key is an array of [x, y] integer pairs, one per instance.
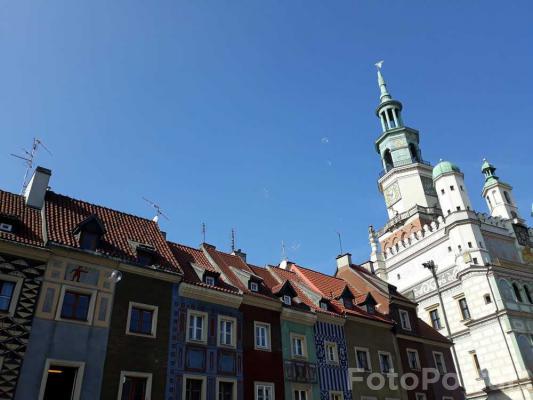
{"points": [[450, 187], [498, 195]]}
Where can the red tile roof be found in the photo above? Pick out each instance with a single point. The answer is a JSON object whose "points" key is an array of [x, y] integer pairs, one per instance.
{"points": [[28, 229], [224, 261], [123, 230], [187, 256]]}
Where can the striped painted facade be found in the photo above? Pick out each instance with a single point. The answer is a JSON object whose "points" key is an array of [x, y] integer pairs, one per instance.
{"points": [[332, 377]]}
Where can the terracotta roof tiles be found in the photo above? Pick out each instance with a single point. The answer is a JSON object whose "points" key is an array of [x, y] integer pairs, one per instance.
{"points": [[26, 220]]}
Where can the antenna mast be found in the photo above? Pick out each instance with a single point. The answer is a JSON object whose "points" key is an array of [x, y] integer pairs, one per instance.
{"points": [[232, 240], [340, 241], [158, 209], [283, 253], [203, 232], [29, 158]]}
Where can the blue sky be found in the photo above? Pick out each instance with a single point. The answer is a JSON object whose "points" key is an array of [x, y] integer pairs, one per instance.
{"points": [[259, 115]]}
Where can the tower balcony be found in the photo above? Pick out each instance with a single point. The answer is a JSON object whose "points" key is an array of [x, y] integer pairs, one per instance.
{"points": [[401, 164]]}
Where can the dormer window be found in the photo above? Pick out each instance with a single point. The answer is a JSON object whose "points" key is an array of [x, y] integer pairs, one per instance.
{"points": [[210, 280], [89, 232], [254, 286], [210, 277], [347, 303], [287, 300], [370, 308], [5, 227], [323, 305], [146, 255]]}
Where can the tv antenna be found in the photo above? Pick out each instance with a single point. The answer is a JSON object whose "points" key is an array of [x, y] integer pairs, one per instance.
{"points": [[29, 157], [283, 252], [232, 240], [203, 231], [340, 240], [158, 209]]}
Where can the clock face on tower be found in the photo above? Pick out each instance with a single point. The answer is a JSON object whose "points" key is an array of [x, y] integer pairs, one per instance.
{"points": [[392, 194]]}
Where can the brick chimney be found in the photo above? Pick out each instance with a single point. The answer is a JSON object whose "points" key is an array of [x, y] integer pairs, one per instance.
{"points": [[36, 189]]}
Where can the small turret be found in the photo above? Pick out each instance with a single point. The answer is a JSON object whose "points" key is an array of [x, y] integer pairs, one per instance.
{"points": [[498, 194], [450, 187]]}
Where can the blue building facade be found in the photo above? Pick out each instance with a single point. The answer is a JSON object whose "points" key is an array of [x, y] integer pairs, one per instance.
{"points": [[205, 349], [332, 361]]}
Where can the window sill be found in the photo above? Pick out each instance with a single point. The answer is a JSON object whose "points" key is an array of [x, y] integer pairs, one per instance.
{"points": [[144, 335], [74, 321], [299, 358], [192, 341], [266, 349], [227, 346]]}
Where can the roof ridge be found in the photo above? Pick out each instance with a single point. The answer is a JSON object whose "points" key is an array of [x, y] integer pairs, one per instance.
{"points": [[11, 193], [183, 245], [100, 206], [318, 272]]}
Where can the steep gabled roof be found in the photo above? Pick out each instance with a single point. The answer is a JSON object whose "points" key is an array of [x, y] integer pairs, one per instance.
{"points": [[26, 220], [124, 232], [189, 258]]}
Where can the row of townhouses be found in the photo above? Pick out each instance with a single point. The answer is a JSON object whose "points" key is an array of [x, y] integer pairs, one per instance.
{"points": [[97, 304]]}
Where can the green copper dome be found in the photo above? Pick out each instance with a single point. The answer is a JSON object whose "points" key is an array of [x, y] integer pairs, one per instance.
{"points": [[444, 167]]}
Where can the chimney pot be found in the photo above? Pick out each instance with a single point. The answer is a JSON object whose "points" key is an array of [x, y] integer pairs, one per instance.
{"points": [[36, 189]]}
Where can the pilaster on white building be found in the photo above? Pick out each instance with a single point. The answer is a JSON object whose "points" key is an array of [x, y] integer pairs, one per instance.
{"points": [[482, 297]]}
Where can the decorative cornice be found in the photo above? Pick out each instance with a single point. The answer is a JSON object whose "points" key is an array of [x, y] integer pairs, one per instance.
{"points": [[209, 295], [423, 340], [261, 302], [304, 318], [24, 250], [330, 319]]}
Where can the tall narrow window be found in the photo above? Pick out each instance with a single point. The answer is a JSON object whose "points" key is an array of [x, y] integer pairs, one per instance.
{"points": [[262, 336], [193, 389], [225, 390], [413, 152], [435, 319], [517, 293], [439, 362], [300, 395], [264, 391], [196, 330], [463, 305], [476, 363], [6, 294], [385, 362], [225, 331], [387, 158], [298, 346], [413, 360], [134, 388], [362, 359], [507, 197], [404, 320], [528, 294]]}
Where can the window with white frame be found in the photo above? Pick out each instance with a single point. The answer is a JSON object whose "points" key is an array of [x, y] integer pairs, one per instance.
{"points": [[264, 391], [412, 359], [463, 305], [298, 344], [385, 362], [210, 280], [300, 394], [135, 385], [9, 291], [336, 395], [194, 387], [362, 359], [226, 331], [439, 362], [226, 389], [262, 335], [435, 319], [404, 320], [196, 326], [287, 299], [60, 377], [254, 286], [142, 319], [420, 396], [332, 354]]}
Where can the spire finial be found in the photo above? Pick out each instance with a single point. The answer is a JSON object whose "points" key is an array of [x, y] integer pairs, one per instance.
{"points": [[385, 96]]}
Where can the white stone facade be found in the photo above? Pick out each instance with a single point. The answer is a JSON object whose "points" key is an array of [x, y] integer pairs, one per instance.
{"points": [[484, 264]]}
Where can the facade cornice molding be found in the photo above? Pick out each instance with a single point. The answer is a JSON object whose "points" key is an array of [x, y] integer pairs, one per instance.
{"points": [[300, 317], [209, 295], [330, 319], [256, 301], [354, 318], [423, 340], [24, 250]]}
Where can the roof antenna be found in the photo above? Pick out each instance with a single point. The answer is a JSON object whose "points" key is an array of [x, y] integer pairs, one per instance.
{"points": [[340, 241], [283, 253], [29, 158], [203, 232], [232, 240], [159, 211]]}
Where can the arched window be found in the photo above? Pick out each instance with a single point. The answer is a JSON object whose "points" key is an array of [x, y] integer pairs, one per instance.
{"points": [[490, 202], [387, 157], [414, 152], [507, 197], [528, 294], [517, 293]]}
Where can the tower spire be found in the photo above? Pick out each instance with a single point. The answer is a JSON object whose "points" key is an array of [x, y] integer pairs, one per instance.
{"points": [[385, 95]]}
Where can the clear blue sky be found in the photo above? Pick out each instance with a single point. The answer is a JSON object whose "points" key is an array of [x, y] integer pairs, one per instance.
{"points": [[220, 110]]}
